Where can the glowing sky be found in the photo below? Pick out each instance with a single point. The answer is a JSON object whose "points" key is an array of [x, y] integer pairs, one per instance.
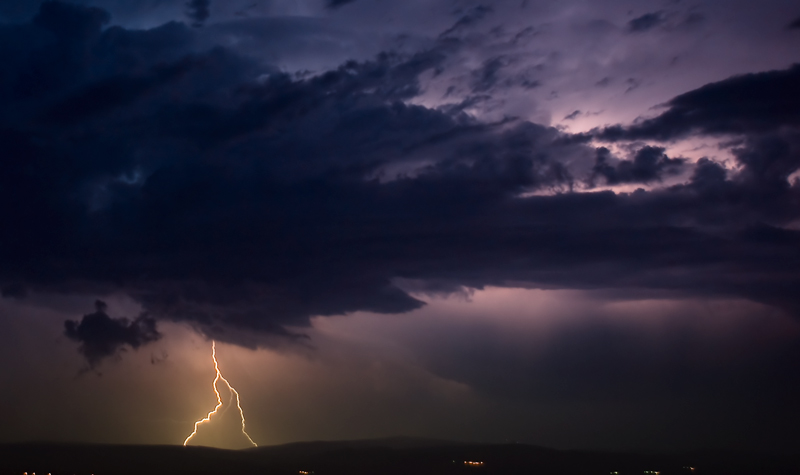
{"points": [[568, 223]]}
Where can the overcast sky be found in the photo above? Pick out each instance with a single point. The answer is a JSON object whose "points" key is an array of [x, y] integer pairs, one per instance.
{"points": [[568, 223]]}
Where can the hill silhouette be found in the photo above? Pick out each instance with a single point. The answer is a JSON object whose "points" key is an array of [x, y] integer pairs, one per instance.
{"points": [[396, 456]]}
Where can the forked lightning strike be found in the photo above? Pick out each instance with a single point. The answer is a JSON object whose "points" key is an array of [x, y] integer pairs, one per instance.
{"points": [[219, 399]]}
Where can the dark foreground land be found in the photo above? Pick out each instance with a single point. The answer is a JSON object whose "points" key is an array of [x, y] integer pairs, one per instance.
{"points": [[390, 457]]}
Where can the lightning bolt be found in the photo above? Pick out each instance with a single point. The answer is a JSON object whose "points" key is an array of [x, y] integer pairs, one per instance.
{"points": [[219, 399]]}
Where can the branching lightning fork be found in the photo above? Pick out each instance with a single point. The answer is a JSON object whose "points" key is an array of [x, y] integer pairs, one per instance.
{"points": [[219, 399]]}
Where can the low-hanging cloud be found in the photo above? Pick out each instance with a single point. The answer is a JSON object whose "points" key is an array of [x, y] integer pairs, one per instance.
{"points": [[101, 336]]}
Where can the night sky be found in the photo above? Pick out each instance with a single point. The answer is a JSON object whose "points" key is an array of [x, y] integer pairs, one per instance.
{"points": [[567, 223]]}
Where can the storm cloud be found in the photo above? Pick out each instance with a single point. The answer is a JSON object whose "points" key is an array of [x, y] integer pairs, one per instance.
{"points": [[101, 336], [229, 194], [648, 164], [745, 104]]}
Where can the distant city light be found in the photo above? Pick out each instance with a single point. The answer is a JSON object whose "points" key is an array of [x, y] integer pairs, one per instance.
{"points": [[472, 463]]}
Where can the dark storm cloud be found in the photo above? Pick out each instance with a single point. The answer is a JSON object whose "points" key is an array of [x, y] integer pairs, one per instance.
{"points": [[648, 164], [648, 21], [198, 11], [763, 111], [64, 20], [228, 194], [101, 336], [111, 93], [750, 103]]}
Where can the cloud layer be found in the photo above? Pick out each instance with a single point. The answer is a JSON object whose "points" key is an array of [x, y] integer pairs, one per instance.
{"points": [[220, 191]]}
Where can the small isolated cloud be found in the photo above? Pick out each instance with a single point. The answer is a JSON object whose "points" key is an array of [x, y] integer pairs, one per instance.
{"points": [[101, 336], [603, 82], [632, 84], [573, 115], [795, 25], [646, 22], [198, 11]]}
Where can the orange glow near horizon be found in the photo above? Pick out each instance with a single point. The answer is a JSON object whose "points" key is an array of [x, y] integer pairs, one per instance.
{"points": [[219, 399]]}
